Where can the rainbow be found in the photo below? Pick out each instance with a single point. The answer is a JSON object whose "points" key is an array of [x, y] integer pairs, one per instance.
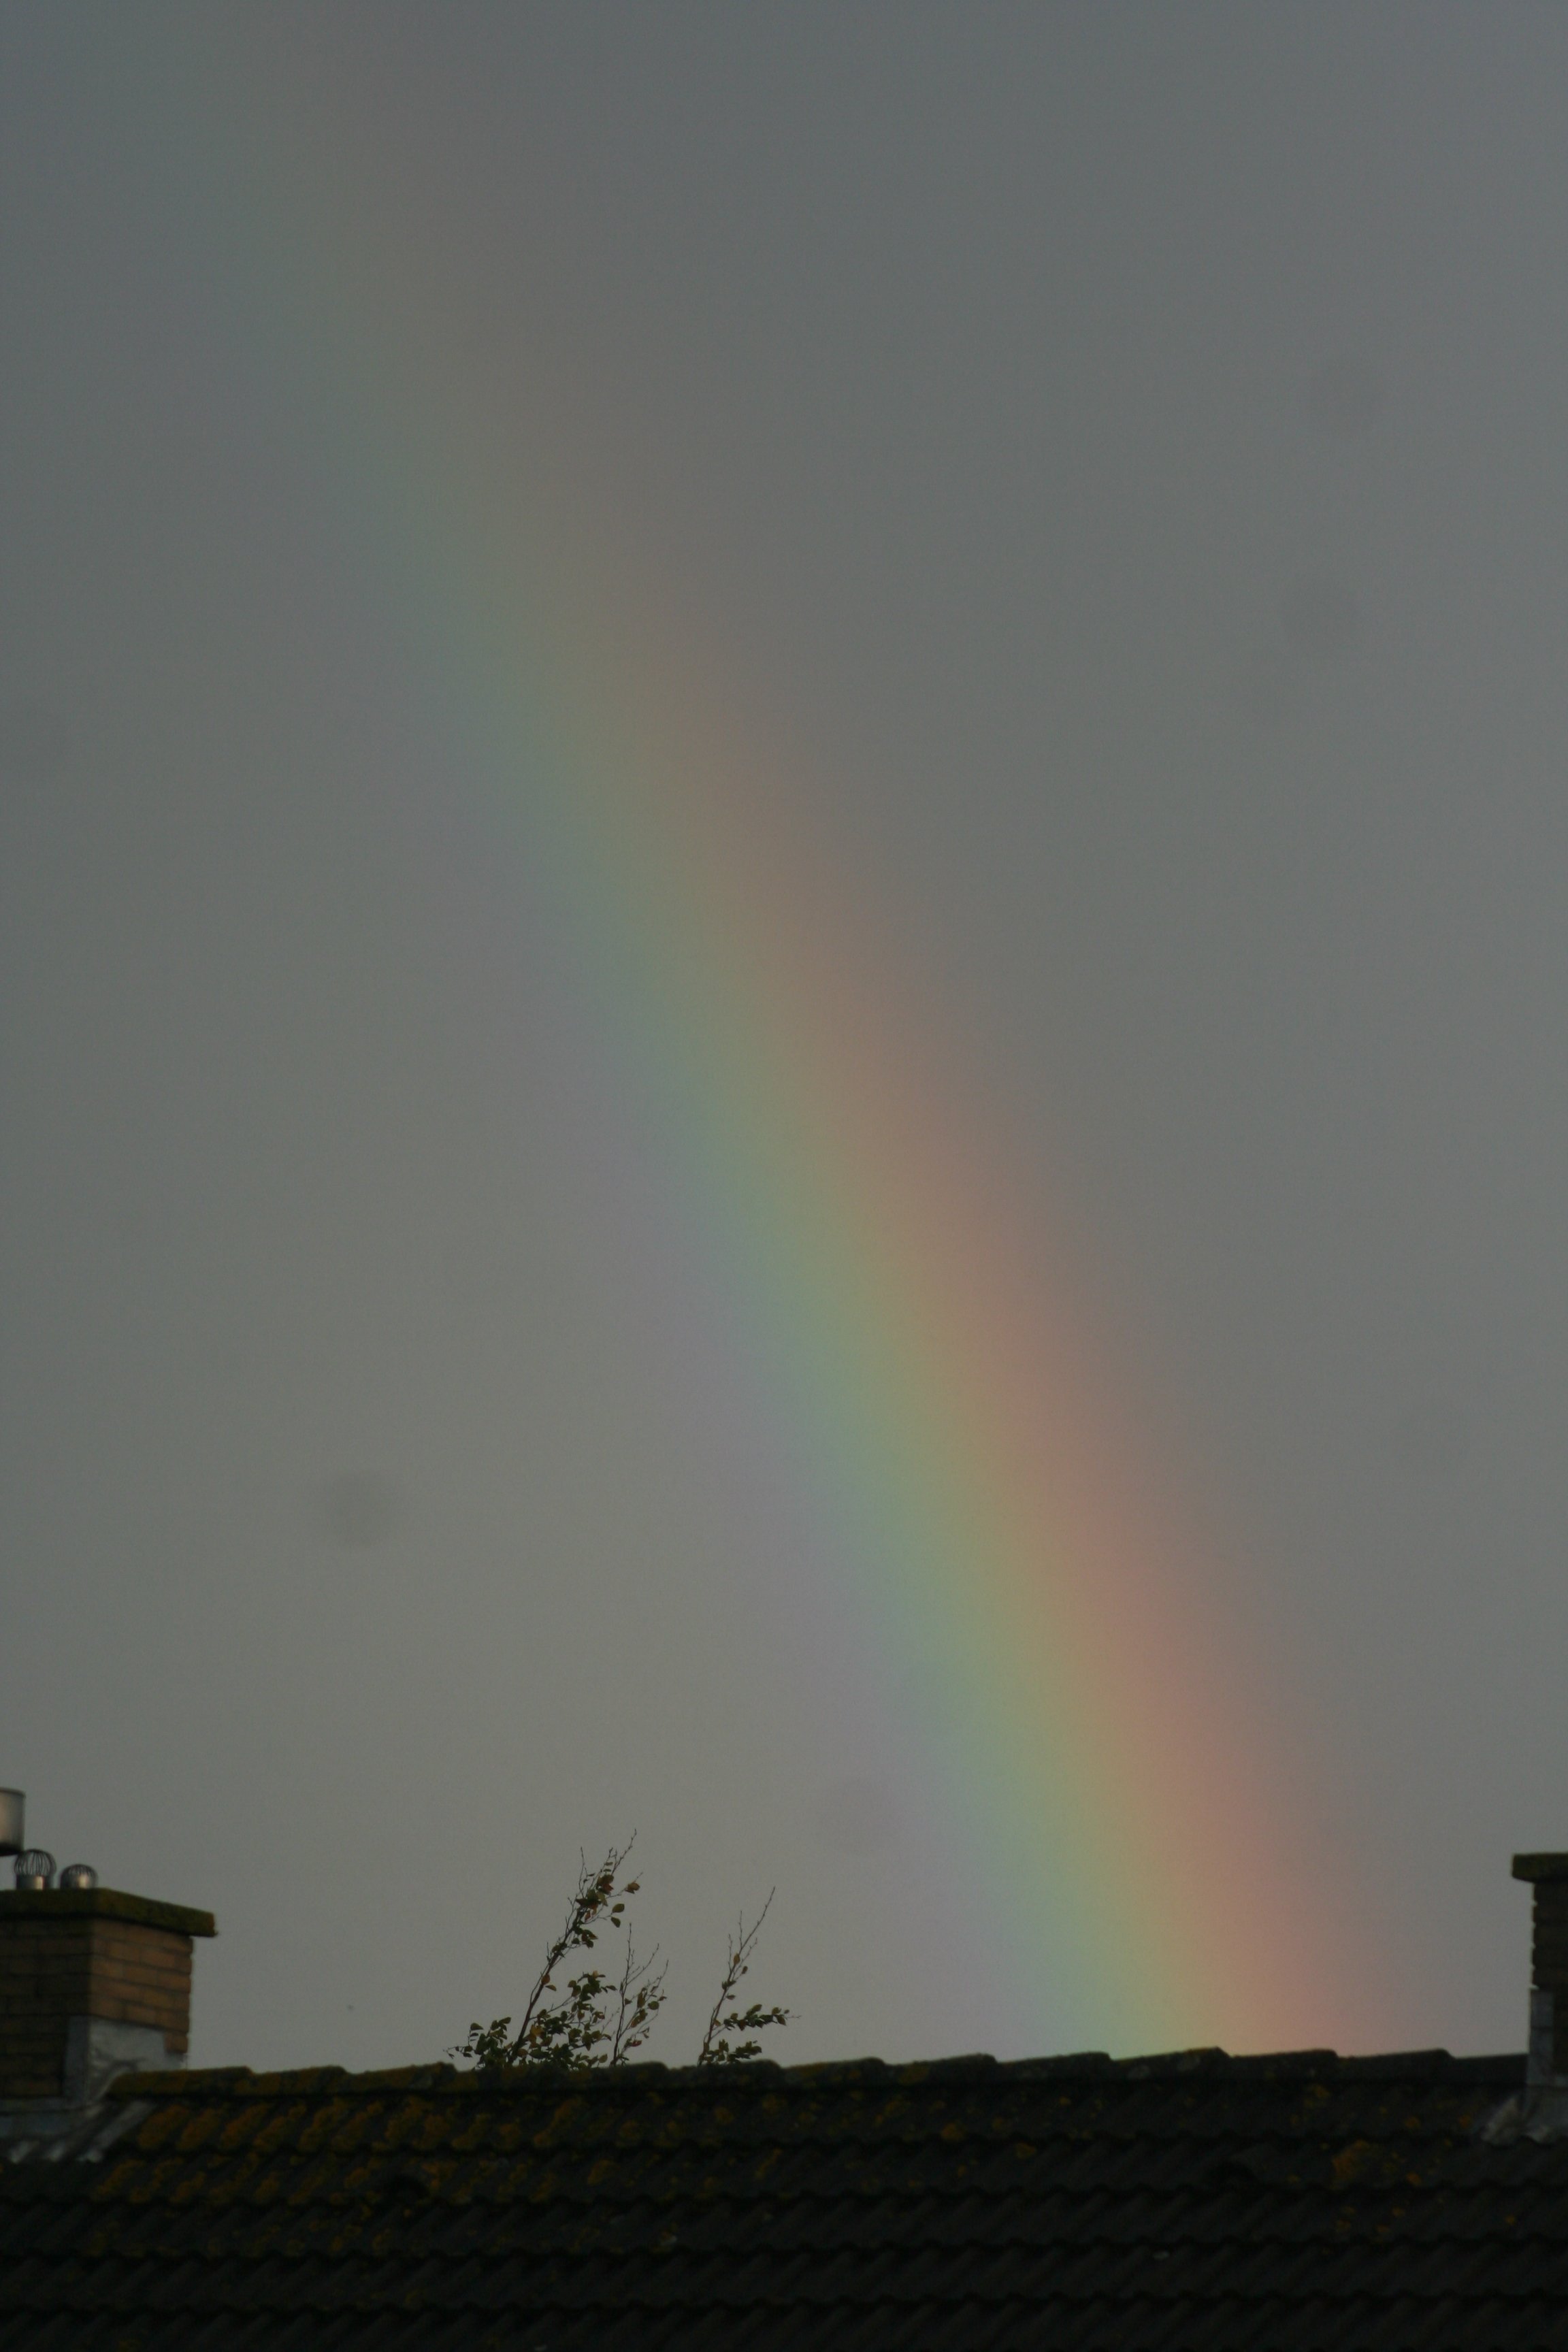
{"points": [[1128, 1776]]}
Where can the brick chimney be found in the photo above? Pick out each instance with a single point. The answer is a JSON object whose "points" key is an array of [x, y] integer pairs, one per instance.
{"points": [[92, 1984], [1548, 2062]]}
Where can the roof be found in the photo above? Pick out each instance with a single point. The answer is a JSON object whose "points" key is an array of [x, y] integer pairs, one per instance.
{"points": [[1197, 2201]]}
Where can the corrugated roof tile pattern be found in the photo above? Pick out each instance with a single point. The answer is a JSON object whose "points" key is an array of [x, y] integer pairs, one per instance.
{"points": [[1198, 2203]]}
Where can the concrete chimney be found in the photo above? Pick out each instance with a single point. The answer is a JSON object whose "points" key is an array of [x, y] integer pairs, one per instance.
{"points": [[1548, 2062], [92, 1984]]}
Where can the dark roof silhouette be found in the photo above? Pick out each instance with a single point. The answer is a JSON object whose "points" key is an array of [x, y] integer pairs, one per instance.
{"points": [[1195, 2201]]}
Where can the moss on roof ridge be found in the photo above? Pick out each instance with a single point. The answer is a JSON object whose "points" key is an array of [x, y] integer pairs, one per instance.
{"points": [[54, 1903]]}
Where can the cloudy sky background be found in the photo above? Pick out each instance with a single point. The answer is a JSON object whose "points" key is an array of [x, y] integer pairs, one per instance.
{"points": [[1115, 459]]}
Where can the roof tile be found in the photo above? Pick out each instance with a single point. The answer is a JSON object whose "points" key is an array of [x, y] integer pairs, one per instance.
{"points": [[1190, 2200]]}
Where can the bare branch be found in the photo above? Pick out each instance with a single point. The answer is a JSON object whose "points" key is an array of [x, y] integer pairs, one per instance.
{"points": [[717, 2049], [639, 1997]]}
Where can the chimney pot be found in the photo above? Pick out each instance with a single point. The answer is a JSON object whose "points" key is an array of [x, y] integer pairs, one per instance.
{"points": [[13, 1807]]}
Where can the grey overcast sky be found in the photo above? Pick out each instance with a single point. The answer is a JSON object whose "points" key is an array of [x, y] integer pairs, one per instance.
{"points": [[1110, 463]]}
